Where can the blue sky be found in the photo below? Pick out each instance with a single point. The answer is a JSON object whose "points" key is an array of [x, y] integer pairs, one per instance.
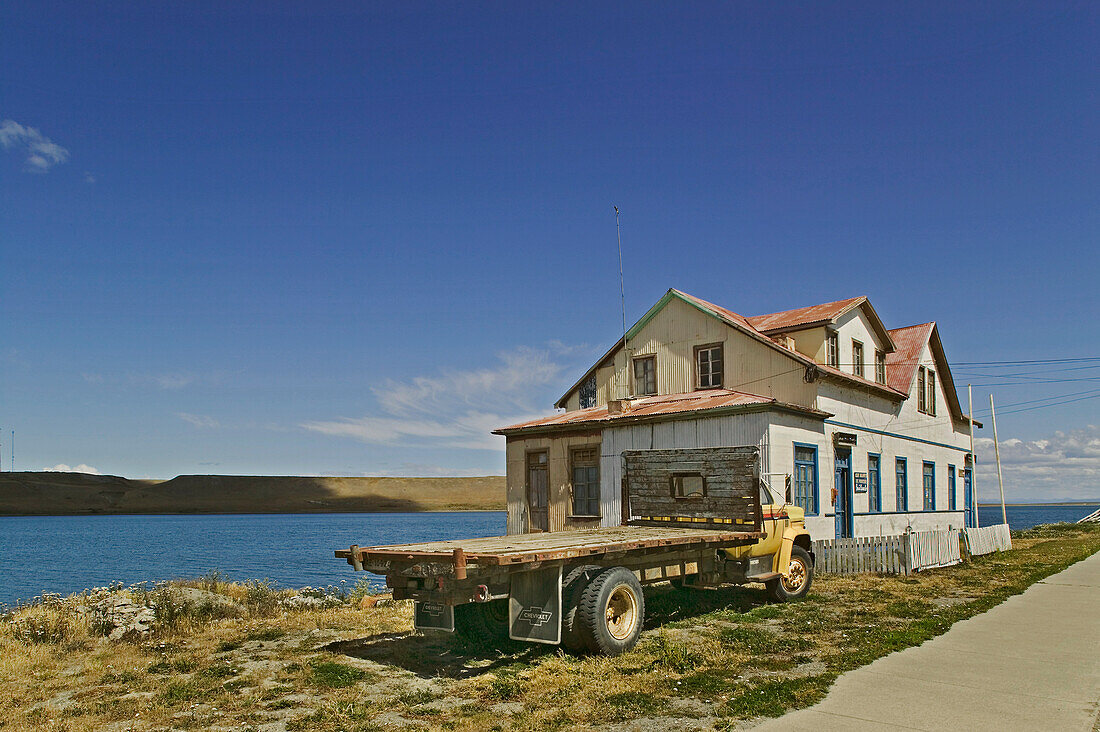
{"points": [[349, 239]]}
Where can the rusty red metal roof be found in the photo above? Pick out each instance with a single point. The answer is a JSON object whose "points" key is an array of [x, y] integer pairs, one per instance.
{"points": [[654, 406], [901, 365], [824, 313]]}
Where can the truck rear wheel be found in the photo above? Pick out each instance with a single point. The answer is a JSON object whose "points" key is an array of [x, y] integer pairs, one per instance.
{"points": [[482, 620], [611, 612], [797, 584], [572, 587]]}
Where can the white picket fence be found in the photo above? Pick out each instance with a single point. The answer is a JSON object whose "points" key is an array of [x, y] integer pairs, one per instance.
{"points": [[931, 549], [885, 554], [888, 554], [988, 539]]}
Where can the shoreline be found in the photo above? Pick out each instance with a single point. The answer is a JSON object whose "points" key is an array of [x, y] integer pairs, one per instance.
{"points": [[502, 509]]}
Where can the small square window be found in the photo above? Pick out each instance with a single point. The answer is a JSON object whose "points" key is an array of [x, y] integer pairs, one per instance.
{"points": [[688, 485]]}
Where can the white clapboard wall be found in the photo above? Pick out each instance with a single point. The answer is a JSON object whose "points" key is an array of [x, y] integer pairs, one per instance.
{"points": [[988, 539]]}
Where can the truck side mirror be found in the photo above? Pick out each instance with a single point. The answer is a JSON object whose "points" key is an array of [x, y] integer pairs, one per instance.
{"points": [[787, 494]]}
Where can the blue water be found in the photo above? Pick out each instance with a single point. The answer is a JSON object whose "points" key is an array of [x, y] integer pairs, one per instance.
{"points": [[67, 554], [1024, 517]]}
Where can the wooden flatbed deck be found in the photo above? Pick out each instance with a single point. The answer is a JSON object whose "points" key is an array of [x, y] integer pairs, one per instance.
{"points": [[551, 546]]}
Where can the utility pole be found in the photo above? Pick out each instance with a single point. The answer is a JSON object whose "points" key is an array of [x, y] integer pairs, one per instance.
{"points": [[973, 461], [997, 449]]}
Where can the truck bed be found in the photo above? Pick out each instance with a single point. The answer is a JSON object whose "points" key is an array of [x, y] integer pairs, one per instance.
{"points": [[521, 549]]}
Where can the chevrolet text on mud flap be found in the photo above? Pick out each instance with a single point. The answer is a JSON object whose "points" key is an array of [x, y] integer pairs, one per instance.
{"points": [[693, 517]]}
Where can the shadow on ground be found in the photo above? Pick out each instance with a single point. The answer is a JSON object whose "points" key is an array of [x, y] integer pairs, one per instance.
{"points": [[435, 654], [432, 655]]}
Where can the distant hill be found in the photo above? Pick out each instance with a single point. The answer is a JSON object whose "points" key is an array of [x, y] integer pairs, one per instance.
{"points": [[50, 493]]}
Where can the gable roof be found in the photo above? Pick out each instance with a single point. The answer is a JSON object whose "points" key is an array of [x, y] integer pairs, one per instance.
{"points": [[814, 316], [901, 365], [741, 324], [690, 404]]}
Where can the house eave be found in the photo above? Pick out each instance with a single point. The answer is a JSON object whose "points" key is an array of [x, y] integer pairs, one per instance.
{"points": [[602, 424]]}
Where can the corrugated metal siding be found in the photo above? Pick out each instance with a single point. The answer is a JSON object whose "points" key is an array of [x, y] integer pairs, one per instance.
{"points": [[727, 431], [673, 334]]}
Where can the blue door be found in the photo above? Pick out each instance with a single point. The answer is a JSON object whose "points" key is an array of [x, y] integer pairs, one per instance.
{"points": [[844, 514], [970, 516]]}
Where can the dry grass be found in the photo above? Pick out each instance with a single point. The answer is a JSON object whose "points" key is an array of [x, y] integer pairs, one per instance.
{"points": [[708, 659]]}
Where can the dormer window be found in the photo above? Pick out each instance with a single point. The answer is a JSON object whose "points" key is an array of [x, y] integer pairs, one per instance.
{"points": [[926, 391], [857, 358], [708, 366], [832, 349], [880, 367]]}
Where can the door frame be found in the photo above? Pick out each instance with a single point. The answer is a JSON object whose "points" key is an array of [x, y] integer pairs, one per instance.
{"points": [[970, 516], [527, 489], [844, 511]]}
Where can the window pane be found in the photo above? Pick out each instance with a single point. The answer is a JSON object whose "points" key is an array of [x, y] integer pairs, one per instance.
{"points": [[687, 486]]}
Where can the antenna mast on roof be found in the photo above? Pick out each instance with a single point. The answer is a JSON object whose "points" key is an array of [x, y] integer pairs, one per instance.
{"points": [[622, 293]]}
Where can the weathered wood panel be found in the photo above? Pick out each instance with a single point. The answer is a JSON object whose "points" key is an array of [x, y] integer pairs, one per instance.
{"points": [[731, 492], [739, 429]]}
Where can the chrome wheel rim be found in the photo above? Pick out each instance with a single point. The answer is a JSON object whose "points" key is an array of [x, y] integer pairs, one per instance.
{"points": [[622, 613]]}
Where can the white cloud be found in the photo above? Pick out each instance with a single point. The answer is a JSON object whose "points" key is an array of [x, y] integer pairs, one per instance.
{"points": [[1065, 466], [427, 470], [63, 468], [457, 409], [172, 381], [88, 177], [41, 152], [199, 420]]}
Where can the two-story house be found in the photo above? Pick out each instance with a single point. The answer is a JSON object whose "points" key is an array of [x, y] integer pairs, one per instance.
{"points": [[857, 424]]}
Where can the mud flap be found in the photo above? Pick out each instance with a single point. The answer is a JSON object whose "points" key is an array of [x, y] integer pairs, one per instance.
{"points": [[433, 616], [534, 606]]}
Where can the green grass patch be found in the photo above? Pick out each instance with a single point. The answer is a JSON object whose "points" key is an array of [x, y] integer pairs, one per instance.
{"points": [[333, 675], [774, 698], [636, 703]]}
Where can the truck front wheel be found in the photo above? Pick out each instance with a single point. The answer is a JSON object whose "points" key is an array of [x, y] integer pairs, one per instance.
{"points": [[611, 612], [797, 583]]}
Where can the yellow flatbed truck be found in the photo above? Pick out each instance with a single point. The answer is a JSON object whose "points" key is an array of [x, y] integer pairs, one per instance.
{"points": [[698, 518]]}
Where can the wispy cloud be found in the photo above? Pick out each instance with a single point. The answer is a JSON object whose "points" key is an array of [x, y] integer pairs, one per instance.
{"points": [[456, 409], [88, 177], [170, 381], [41, 152], [63, 468], [1064, 466], [199, 420]]}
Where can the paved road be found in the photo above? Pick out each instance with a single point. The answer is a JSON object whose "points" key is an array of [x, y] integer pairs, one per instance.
{"points": [[1031, 663]]}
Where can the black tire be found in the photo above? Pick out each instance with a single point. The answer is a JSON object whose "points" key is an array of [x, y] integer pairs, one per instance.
{"points": [[611, 612], [571, 588], [802, 576], [482, 620]]}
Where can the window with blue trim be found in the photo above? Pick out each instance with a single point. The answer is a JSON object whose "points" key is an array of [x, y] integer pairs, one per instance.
{"points": [[874, 483], [805, 478], [951, 500], [902, 484], [929, 486]]}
